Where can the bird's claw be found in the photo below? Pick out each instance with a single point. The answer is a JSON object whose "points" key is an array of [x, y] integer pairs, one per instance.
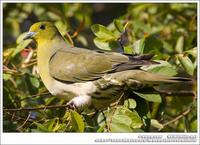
{"points": [[71, 105], [79, 103]]}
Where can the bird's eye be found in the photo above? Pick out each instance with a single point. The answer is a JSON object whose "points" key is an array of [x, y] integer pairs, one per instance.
{"points": [[42, 27]]}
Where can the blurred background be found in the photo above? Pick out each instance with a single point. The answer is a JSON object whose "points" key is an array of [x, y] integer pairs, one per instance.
{"points": [[167, 30], [19, 17]]}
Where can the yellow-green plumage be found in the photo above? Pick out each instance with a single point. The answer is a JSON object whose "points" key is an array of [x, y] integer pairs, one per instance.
{"points": [[85, 77]]}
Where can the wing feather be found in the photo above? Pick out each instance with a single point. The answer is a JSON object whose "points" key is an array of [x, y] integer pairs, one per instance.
{"points": [[79, 65]]}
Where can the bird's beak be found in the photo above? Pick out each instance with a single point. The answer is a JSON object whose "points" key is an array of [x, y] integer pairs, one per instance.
{"points": [[29, 35]]}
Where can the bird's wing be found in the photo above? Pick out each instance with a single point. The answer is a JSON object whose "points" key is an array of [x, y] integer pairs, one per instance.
{"points": [[79, 65]]}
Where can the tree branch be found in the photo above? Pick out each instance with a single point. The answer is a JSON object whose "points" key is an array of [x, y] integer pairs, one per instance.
{"points": [[37, 108], [24, 122], [182, 114]]}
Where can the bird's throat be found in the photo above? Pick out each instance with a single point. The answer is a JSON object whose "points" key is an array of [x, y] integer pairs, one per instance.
{"points": [[45, 51], [43, 57]]}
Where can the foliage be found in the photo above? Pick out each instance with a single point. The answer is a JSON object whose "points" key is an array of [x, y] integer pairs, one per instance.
{"points": [[167, 30]]}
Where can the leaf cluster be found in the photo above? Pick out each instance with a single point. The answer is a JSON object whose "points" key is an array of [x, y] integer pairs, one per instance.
{"points": [[169, 31]]}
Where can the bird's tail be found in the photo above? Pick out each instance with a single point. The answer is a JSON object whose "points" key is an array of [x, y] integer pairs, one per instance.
{"points": [[151, 78], [183, 89], [164, 84], [138, 79]]}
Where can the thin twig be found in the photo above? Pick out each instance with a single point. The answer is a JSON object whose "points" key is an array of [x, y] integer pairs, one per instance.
{"points": [[68, 37], [24, 122], [37, 108], [106, 125], [5, 68], [18, 118], [182, 114], [67, 126], [33, 96], [79, 29], [118, 101], [24, 65], [115, 105], [11, 71], [30, 97], [92, 113]]}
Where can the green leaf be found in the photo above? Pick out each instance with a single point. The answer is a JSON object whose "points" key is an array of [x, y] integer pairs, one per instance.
{"points": [[77, 122], [50, 124], [164, 68], [56, 125], [118, 24], [168, 46], [156, 124], [123, 119], [9, 125], [128, 49], [102, 32], [179, 44], [155, 109], [102, 44], [149, 95], [105, 116], [120, 119], [193, 125], [21, 37], [152, 44], [192, 52], [138, 46], [138, 130], [8, 96], [6, 76], [21, 46], [119, 127], [49, 100], [35, 82], [82, 40], [62, 27], [101, 128], [60, 127], [136, 120], [186, 63], [41, 127], [130, 103]]}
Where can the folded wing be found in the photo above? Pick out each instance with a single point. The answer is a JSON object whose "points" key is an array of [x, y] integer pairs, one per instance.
{"points": [[79, 65]]}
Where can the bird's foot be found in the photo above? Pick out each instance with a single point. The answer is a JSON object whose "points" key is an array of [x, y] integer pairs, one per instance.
{"points": [[79, 103], [71, 105]]}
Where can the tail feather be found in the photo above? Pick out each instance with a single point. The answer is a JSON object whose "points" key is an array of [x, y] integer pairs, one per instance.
{"points": [[183, 89], [151, 78], [167, 84], [177, 79], [138, 79]]}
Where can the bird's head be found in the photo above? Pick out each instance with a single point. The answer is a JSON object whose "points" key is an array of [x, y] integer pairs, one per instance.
{"points": [[42, 31]]}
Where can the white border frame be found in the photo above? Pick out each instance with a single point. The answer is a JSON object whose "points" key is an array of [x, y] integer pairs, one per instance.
{"points": [[88, 138]]}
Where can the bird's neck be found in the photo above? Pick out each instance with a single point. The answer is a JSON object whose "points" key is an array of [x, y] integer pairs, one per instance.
{"points": [[44, 53]]}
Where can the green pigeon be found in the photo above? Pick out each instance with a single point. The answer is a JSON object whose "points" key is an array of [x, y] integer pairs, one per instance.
{"points": [[88, 78]]}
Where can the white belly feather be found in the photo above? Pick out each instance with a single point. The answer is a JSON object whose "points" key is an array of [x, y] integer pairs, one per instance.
{"points": [[68, 91]]}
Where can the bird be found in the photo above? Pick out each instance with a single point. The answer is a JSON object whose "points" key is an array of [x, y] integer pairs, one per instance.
{"points": [[89, 78]]}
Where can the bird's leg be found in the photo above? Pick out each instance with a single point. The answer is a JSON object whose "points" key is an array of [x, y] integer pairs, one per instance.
{"points": [[80, 102]]}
